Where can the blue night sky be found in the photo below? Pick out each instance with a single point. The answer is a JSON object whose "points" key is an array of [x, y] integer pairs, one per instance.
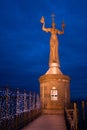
{"points": [[24, 47]]}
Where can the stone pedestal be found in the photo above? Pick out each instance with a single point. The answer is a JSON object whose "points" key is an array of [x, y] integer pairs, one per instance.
{"points": [[54, 93]]}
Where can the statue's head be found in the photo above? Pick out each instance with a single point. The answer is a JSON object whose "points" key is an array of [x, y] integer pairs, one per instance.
{"points": [[53, 25]]}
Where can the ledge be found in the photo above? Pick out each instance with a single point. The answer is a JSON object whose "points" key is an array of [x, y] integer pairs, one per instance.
{"points": [[59, 77]]}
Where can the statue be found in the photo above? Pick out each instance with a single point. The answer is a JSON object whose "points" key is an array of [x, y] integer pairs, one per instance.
{"points": [[54, 57]]}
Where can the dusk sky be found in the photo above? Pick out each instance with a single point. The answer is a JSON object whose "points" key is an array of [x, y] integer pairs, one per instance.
{"points": [[24, 47]]}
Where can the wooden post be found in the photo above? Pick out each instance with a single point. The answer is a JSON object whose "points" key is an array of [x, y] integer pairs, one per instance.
{"points": [[83, 114], [75, 116], [83, 110]]}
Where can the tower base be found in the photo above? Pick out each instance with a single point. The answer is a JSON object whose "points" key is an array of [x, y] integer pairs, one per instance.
{"points": [[54, 93]]}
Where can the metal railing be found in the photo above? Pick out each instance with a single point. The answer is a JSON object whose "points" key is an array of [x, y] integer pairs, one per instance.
{"points": [[17, 108]]}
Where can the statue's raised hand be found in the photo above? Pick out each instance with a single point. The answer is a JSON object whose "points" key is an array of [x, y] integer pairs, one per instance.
{"points": [[63, 25], [42, 20]]}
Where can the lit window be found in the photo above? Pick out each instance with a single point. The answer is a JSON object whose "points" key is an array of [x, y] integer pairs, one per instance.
{"points": [[54, 95]]}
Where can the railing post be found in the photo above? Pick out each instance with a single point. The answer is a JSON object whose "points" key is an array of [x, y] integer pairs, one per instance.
{"points": [[7, 102], [17, 102], [25, 108], [18, 110], [25, 101], [30, 101], [33, 101], [83, 110], [37, 101], [83, 115], [75, 116]]}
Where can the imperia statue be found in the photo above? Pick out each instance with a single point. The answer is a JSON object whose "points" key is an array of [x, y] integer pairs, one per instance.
{"points": [[54, 57]]}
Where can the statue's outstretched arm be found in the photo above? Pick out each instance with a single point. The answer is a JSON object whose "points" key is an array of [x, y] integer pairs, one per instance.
{"points": [[44, 28], [43, 25], [63, 26], [60, 32]]}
